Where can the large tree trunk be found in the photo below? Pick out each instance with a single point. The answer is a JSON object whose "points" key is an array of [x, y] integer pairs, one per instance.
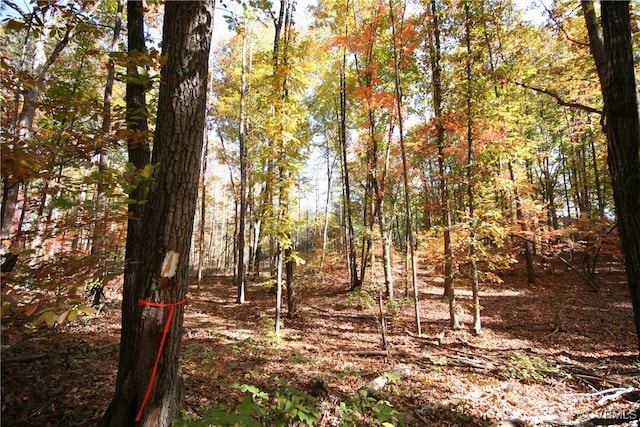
{"points": [[149, 388], [613, 54]]}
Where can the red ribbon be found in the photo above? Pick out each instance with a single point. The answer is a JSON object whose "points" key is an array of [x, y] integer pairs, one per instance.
{"points": [[167, 325]]}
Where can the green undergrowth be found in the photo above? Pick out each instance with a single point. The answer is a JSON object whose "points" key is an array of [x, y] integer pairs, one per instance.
{"points": [[531, 369], [290, 406]]}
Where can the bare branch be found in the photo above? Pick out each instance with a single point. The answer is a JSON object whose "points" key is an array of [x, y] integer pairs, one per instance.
{"points": [[559, 99]]}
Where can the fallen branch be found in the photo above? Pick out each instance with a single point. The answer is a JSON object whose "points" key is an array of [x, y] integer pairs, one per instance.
{"points": [[584, 277], [610, 395], [328, 313], [590, 281]]}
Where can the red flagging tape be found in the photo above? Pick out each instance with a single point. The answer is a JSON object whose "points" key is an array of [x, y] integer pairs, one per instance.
{"points": [[167, 325]]}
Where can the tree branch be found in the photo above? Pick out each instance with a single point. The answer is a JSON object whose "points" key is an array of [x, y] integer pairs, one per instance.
{"points": [[559, 99]]}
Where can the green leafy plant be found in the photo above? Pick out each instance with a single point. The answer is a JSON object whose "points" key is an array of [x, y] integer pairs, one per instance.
{"points": [[363, 408], [256, 409], [528, 369], [295, 405], [361, 299]]}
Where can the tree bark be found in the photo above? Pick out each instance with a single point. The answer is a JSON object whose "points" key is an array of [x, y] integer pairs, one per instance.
{"points": [[100, 229], [613, 55], [471, 169], [409, 236], [241, 268], [436, 71], [355, 281], [149, 388]]}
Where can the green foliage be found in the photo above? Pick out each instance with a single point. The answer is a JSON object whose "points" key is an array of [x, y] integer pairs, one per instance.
{"points": [[51, 318], [298, 357], [258, 408], [134, 178], [364, 409], [290, 407], [531, 369], [360, 298]]}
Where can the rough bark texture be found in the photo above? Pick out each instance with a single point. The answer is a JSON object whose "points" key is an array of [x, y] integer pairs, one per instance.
{"points": [[613, 54], [166, 225]]}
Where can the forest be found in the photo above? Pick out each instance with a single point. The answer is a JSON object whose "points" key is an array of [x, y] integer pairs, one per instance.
{"points": [[328, 212]]}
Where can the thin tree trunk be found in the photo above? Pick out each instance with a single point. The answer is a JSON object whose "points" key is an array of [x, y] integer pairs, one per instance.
{"points": [[350, 237], [31, 93], [100, 229], [444, 190], [475, 287], [241, 268], [409, 237], [203, 209], [528, 243], [385, 231], [325, 228]]}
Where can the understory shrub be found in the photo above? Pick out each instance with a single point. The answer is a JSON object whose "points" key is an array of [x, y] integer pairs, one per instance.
{"points": [[291, 406]]}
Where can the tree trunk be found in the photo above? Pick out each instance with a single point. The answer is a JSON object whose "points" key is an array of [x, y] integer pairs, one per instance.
{"points": [[409, 237], [100, 229], [241, 268], [444, 190], [470, 175], [527, 242], [613, 54], [292, 305], [385, 230], [149, 388], [350, 237], [203, 210]]}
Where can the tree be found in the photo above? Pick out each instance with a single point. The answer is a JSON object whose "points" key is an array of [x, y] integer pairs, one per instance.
{"points": [[398, 57], [613, 54], [100, 230], [42, 21], [436, 71], [149, 386]]}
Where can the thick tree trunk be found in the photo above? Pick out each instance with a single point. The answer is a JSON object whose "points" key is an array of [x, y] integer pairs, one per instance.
{"points": [[613, 54], [149, 387]]}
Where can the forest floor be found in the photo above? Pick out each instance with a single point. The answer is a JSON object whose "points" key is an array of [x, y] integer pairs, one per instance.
{"points": [[545, 352]]}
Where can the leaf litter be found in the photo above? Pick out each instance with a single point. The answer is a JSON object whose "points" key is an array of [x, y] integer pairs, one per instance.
{"points": [[549, 352]]}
